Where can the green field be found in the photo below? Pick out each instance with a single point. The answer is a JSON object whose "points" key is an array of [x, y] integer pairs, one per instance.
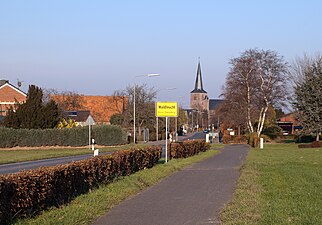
{"points": [[86, 208], [21, 155], [278, 185]]}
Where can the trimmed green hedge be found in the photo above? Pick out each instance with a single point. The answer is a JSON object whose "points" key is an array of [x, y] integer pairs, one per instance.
{"points": [[78, 136], [27, 193]]}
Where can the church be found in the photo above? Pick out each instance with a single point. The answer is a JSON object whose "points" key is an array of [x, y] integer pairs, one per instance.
{"points": [[202, 112]]}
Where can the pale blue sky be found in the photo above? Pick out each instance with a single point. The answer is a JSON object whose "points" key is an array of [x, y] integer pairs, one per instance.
{"points": [[96, 47]]}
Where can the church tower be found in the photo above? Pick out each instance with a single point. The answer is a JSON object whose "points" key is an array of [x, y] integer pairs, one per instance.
{"points": [[198, 97]]}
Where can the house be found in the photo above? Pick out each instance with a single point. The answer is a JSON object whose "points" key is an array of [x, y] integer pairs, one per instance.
{"points": [[79, 116], [101, 108], [289, 123], [10, 97]]}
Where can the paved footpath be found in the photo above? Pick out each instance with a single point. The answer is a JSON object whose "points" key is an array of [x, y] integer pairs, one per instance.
{"points": [[193, 196]]}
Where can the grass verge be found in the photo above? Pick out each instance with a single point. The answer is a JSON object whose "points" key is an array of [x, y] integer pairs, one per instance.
{"points": [[278, 185], [12, 156], [86, 208]]}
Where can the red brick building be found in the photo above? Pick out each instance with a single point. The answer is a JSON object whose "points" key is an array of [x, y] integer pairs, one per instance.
{"points": [[289, 123], [10, 96]]}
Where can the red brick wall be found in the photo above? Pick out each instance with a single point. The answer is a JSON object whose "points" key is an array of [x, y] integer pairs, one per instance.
{"points": [[10, 95]]}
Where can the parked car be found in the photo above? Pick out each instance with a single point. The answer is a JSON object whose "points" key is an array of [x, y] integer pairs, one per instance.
{"points": [[285, 132], [206, 131]]}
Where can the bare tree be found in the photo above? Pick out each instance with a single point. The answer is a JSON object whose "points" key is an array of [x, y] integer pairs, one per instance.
{"points": [[120, 99], [66, 100], [145, 106], [272, 73], [256, 81]]}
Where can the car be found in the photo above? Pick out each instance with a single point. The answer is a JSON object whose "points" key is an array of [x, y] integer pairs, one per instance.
{"points": [[285, 132], [206, 131]]}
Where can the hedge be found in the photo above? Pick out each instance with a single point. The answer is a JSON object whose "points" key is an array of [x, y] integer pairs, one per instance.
{"points": [[26, 193], [314, 144], [78, 136], [187, 148], [236, 139]]}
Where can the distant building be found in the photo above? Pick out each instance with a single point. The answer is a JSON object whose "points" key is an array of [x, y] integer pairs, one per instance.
{"points": [[289, 124], [10, 97], [101, 108], [79, 116], [202, 109]]}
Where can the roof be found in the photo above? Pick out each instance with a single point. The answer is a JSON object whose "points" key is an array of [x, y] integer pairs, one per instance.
{"points": [[198, 83], [78, 116], [2, 82], [289, 117], [214, 103], [100, 107], [10, 93]]}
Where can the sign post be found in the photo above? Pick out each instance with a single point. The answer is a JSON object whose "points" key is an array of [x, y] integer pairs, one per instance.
{"points": [[89, 122], [166, 109]]}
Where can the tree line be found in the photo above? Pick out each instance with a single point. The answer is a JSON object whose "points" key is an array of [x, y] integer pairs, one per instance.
{"points": [[258, 85]]}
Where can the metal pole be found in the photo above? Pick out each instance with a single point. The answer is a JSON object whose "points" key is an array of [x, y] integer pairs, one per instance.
{"points": [[134, 112], [157, 129], [166, 140], [176, 128], [89, 136], [192, 120]]}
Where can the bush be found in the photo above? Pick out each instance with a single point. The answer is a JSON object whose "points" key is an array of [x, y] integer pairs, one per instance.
{"points": [[314, 144], [266, 138], [272, 131], [253, 140], [236, 139], [186, 149], [26, 193], [78, 136], [305, 138]]}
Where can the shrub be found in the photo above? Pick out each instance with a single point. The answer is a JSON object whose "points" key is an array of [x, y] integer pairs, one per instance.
{"points": [[305, 138], [236, 139], [78, 136], [266, 138], [187, 148], [272, 131], [26, 193], [226, 139], [253, 140]]}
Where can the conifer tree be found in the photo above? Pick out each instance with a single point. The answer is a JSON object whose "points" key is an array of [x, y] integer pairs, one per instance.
{"points": [[33, 114], [308, 94]]}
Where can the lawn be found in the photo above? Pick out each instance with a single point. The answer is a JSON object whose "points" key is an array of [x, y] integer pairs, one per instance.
{"points": [[278, 185], [86, 208], [21, 155]]}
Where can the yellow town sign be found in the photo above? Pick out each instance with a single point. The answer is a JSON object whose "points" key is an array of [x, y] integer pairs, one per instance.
{"points": [[166, 109]]}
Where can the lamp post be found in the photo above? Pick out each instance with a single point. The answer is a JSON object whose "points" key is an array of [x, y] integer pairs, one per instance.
{"points": [[157, 118], [145, 75]]}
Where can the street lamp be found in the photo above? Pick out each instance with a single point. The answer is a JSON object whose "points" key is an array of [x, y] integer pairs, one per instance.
{"points": [[145, 75], [157, 118]]}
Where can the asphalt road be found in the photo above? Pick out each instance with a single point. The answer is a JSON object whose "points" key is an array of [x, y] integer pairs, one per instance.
{"points": [[193, 196], [17, 167]]}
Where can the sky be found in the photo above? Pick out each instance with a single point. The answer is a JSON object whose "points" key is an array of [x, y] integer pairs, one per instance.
{"points": [[97, 47]]}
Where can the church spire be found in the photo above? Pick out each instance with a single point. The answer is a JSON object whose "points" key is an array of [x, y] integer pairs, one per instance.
{"points": [[198, 84]]}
